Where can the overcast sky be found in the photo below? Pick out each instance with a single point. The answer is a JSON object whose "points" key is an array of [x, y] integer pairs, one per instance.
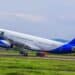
{"points": [[44, 18]]}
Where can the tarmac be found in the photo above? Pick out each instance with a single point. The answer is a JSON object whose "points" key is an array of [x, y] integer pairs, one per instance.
{"points": [[51, 57]]}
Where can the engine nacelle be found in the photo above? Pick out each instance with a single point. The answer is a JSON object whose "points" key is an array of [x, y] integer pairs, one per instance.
{"points": [[6, 44]]}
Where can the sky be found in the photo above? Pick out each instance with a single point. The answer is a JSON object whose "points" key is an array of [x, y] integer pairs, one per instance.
{"points": [[44, 18]]}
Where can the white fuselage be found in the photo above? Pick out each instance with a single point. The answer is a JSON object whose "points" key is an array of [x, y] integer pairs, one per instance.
{"points": [[34, 42]]}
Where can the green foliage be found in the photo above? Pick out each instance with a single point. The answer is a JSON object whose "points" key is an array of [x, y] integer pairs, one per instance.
{"points": [[38, 66], [14, 73], [18, 65]]}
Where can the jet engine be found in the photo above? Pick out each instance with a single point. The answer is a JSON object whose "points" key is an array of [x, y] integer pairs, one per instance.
{"points": [[5, 44]]}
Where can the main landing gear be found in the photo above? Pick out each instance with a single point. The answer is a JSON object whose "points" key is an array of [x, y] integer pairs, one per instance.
{"points": [[40, 54], [23, 52]]}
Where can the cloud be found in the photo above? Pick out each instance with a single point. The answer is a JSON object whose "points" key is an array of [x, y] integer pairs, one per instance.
{"points": [[26, 17]]}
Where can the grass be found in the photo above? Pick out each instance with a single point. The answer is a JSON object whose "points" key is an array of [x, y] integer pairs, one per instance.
{"points": [[31, 66]]}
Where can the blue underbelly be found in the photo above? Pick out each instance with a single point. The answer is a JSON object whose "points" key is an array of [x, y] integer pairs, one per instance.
{"points": [[62, 49]]}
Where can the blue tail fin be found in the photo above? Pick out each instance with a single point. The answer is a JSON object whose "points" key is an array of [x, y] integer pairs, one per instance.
{"points": [[72, 42]]}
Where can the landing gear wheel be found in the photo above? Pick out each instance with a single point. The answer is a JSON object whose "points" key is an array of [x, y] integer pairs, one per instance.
{"points": [[40, 54], [23, 53]]}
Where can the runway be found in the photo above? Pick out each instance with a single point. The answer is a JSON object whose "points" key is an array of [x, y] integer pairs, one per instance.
{"points": [[51, 57]]}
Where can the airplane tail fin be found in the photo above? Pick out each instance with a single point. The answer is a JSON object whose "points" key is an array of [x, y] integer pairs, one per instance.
{"points": [[72, 42]]}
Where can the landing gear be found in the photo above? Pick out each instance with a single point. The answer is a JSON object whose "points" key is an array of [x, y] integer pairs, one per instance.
{"points": [[23, 53], [40, 54]]}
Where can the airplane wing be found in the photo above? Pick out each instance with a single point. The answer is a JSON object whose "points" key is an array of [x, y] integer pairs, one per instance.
{"points": [[25, 44], [32, 46]]}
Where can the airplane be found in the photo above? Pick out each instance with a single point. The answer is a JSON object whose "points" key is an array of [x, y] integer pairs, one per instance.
{"points": [[25, 42]]}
